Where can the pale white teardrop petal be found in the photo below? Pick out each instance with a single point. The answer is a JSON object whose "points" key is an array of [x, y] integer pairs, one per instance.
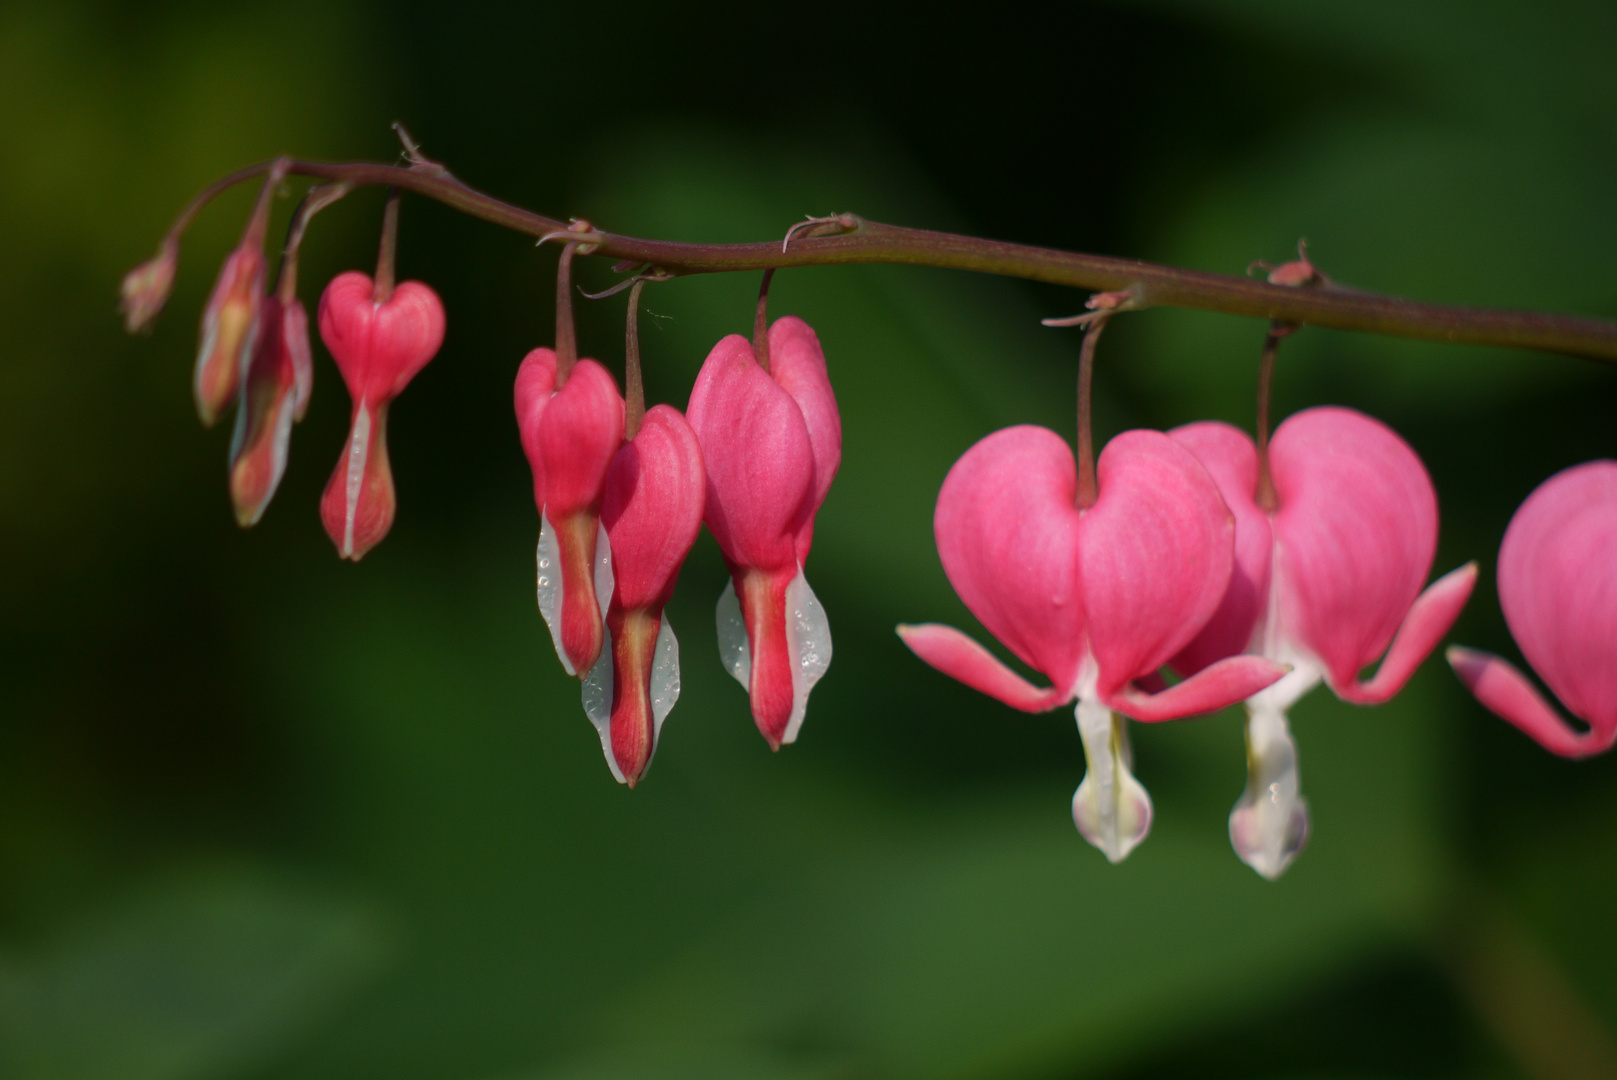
{"points": [[1110, 808], [1269, 826], [598, 703], [664, 677], [809, 636], [359, 448], [604, 581], [550, 588], [734, 652]]}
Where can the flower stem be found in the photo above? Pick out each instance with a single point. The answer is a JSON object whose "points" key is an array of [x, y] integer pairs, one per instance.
{"points": [[566, 335], [1088, 489], [388, 249], [1266, 499], [864, 241], [316, 199], [634, 393], [760, 322]]}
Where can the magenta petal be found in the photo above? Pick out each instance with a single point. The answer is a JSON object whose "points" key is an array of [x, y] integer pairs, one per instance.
{"points": [[1216, 686], [1007, 532], [1507, 693], [960, 657], [1428, 620], [536, 383], [760, 461], [1157, 553], [1356, 529], [797, 363], [652, 509], [579, 431], [1232, 460], [1558, 588]]}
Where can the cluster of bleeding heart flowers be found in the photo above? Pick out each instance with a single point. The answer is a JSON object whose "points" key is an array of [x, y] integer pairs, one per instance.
{"points": [[1244, 571]]}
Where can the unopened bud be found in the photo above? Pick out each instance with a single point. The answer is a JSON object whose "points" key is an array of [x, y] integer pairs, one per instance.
{"points": [[265, 412], [145, 288], [229, 325]]}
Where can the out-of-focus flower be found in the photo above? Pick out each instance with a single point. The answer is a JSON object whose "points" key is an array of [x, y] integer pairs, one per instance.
{"points": [[269, 404]]}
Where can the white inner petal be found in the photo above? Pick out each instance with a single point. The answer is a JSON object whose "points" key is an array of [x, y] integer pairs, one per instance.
{"points": [[598, 703], [1110, 808], [1269, 825], [734, 652], [358, 450], [664, 676], [604, 581], [809, 640], [550, 588]]}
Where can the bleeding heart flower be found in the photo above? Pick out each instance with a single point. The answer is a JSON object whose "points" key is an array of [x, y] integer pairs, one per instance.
{"points": [[1558, 589], [1093, 598], [230, 325], [652, 510], [772, 441], [379, 347], [272, 396], [570, 436], [1325, 582]]}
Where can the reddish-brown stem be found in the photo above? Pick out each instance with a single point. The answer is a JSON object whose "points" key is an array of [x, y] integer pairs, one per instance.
{"points": [[760, 322], [634, 392], [566, 335], [866, 241], [388, 249], [1088, 488], [1266, 500], [316, 199]]}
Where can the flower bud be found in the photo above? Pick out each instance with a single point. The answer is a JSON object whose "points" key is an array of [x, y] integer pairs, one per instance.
{"points": [[229, 326], [145, 288]]}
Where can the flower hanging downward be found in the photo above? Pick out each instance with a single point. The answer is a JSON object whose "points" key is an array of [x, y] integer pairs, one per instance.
{"points": [[1325, 580], [1558, 589], [276, 382], [772, 440], [379, 343], [1092, 597], [652, 510], [569, 436]]}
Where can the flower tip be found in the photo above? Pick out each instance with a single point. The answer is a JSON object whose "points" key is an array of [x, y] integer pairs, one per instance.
{"points": [[145, 289]]}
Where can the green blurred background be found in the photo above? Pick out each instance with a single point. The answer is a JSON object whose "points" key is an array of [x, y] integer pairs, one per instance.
{"points": [[264, 814]]}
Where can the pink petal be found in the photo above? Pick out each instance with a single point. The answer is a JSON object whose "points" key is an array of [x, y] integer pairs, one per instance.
{"points": [[409, 331], [1232, 460], [579, 431], [1558, 588], [961, 658], [797, 363], [1007, 532], [652, 508], [1157, 550], [379, 348], [1356, 530], [229, 326], [1214, 687], [264, 413], [358, 505], [1506, 692], [295, 332], [759, 458], [536, 382], [1431, 616]]}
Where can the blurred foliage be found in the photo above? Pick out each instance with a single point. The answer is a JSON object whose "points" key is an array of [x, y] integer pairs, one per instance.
{"points": [[263, 814]]}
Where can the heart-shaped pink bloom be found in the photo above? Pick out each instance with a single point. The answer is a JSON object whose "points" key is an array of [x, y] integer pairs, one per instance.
{"points": [[772, 442], [379, 348], [569, 436], [1326, 582], [652, 510], [1093, 598], [1558, 589], [272, 396]]}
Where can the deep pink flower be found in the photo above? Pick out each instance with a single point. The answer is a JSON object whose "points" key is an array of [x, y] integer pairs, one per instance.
{"points": [[570, 436], [272, 395], [1093, 598], [379, 348], [1558, 589], [230, 325], [772, 441], [652, 510], [1325, 582]]}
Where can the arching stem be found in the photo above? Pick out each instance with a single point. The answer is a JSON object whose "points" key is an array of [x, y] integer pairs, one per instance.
{"points": [[388, 249], [316, 199], [1088, 489], [760, 322], [634, 393]]}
